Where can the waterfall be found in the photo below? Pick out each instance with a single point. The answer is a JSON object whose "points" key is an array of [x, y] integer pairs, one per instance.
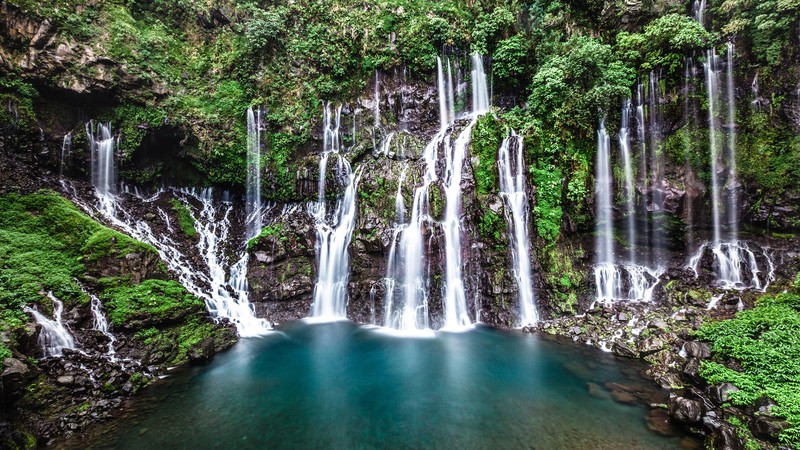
{"points": [[407, 279], [699, 11], [253, 199], [603, 190], [445, 87], [605, 272], [512, 189], [641, 137], [735, 264], [54, 336], [66, 146], [731, 184], [455, 302], [225, 294], [228, 296], [480, 92], [399, 201], [334, 229], [630, 193], [613, 282], [102, 146]]}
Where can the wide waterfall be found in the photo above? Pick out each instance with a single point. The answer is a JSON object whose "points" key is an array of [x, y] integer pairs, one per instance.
{"points": [[253, 199], [512, 189], [54, 336], [614, 282], [334, 228], [408, 278], [735, 264]]}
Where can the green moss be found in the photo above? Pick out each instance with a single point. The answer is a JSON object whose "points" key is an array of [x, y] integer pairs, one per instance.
{"points": [[765, 344], [185, 219], [149, 302], [107, 243], [270, 230], [492, 227], [46, 244]]}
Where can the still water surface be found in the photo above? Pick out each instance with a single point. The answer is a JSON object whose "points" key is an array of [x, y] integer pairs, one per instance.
{"points": [[339, 385]]}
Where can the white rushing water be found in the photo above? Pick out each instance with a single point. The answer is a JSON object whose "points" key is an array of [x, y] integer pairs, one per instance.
{"points": [[613, 281], [512, 189], [253, 199], [54, 336], [604, 242], [735, 265], [100, 323], [102, 147], [630, 193], [224, 292], [408, 274], [66, 147], [456, 312], [335, 227]]}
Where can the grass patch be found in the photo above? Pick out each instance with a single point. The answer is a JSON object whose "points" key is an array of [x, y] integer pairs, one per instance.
{"points": [[185, 219]]}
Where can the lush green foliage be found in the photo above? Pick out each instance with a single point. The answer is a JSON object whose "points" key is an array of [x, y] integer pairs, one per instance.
{"points": [[765, 343], [547, 212], [664, 43], [573, 86]]}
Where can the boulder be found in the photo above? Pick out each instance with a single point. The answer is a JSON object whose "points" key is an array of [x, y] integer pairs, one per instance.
{"points": [[685, 410], [697, 349]]}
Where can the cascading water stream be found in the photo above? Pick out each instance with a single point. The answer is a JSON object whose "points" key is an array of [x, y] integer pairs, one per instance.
{"points": [[456, 313], [605, 272], [630, 193], [407, 280], [512, 189], [731, 184], [100, 323], [66, 147], [253, 199], [334, 229], [54, 336]]}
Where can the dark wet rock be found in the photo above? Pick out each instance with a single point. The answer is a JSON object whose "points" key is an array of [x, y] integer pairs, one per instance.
{"points": [[15, 376], [728, 439], [624, 349], [651, 345], [768, 427], [691, 370], [685, 410], [697, 349]]}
